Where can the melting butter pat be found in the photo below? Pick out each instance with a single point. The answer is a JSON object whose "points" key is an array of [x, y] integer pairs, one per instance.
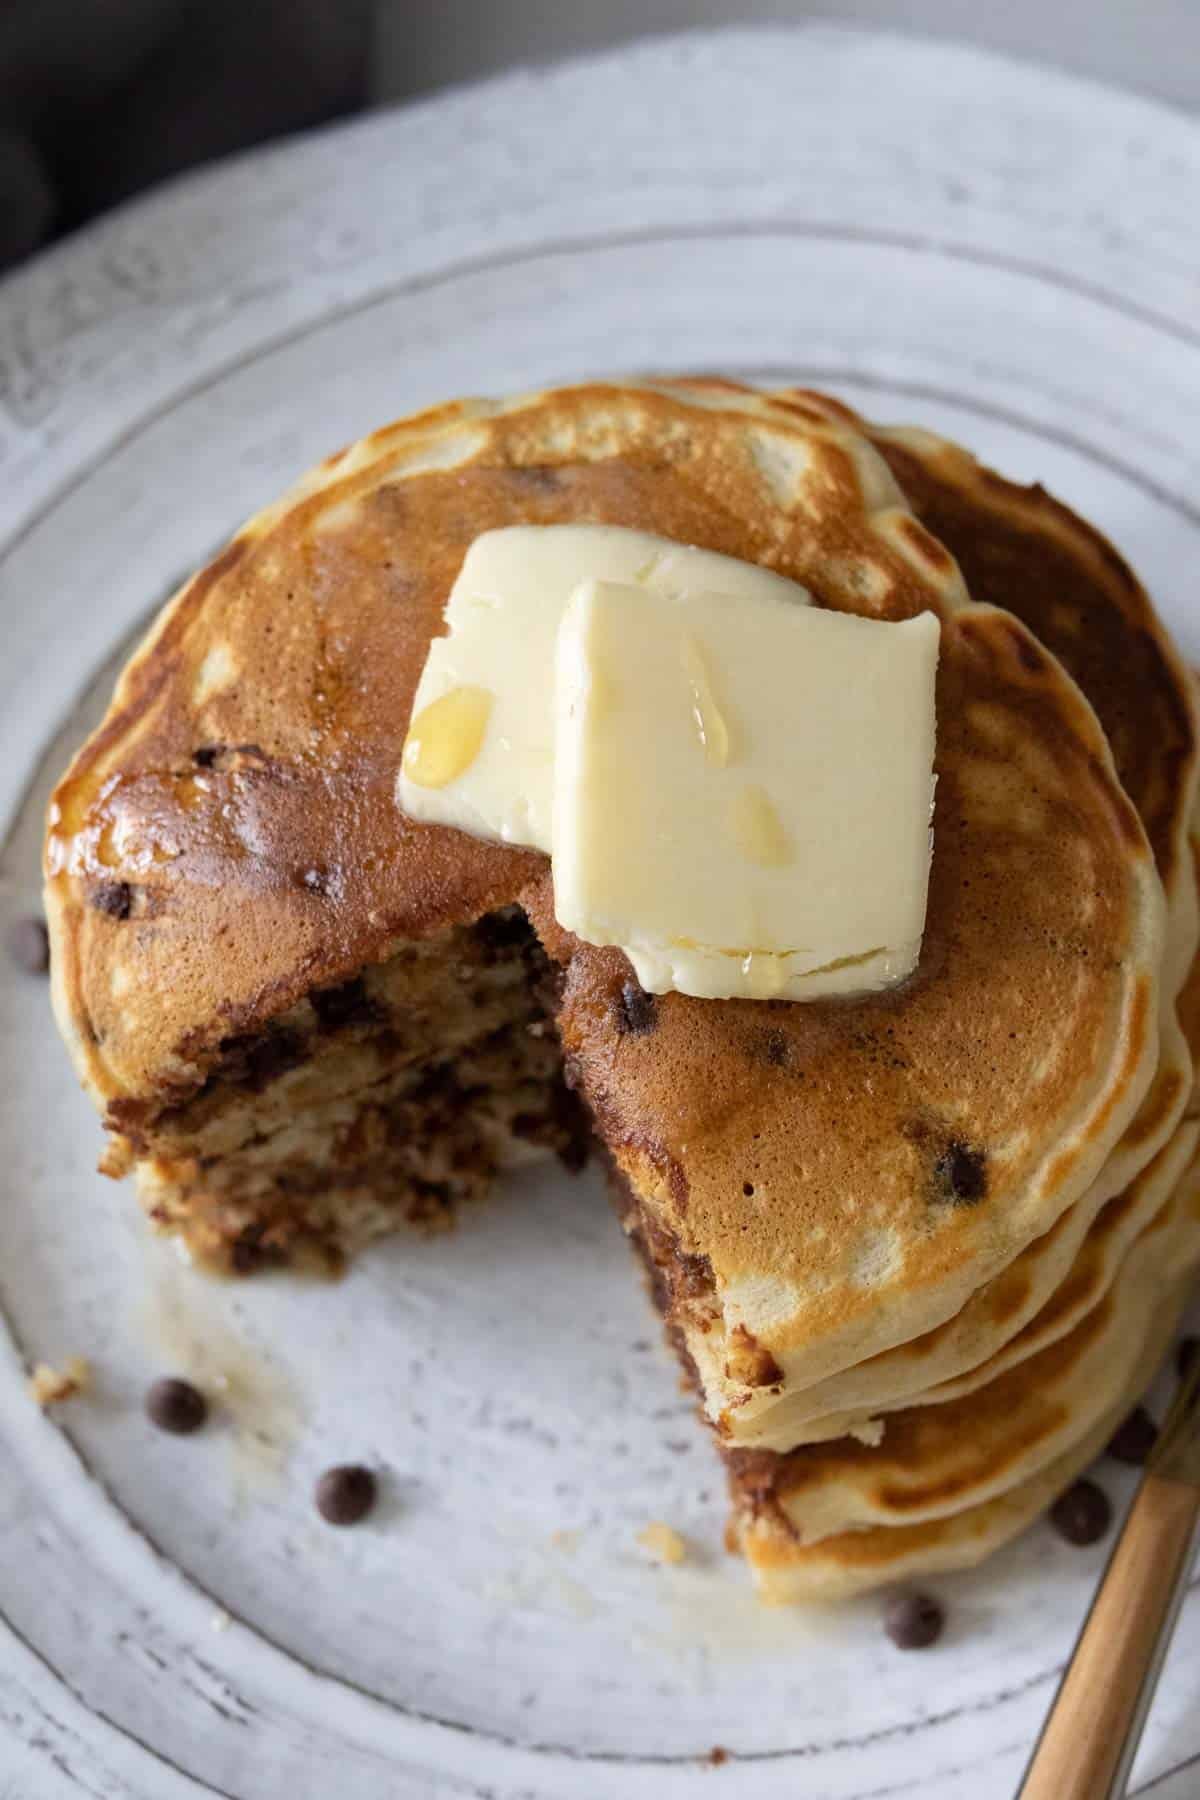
{"points": [[480, 749], [793, 863]]}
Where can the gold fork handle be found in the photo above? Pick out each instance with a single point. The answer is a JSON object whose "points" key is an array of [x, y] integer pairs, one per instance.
{"points": [[1088, 1740]]}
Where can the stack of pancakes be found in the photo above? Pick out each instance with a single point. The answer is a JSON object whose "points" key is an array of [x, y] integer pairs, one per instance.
{"points": [[919, 1250]]}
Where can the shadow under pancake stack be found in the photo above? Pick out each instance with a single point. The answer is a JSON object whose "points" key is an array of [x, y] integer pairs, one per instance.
{"points": [[918, 1250]]}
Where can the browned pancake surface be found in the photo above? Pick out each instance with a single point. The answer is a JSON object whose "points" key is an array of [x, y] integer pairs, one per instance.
{"points": [[229, 839]]}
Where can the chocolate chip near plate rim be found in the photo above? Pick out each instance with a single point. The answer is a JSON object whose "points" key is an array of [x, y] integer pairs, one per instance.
{"points": [[1185, 1356], [346, 1493], [176, 1406], [1082, 1514], [1134, 1438], [914, 1621], [28, 945]]}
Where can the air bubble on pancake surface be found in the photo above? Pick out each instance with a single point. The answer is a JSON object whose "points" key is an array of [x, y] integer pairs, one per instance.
{"points": [[874, 1258], [443, 453], [558, 439], [338, 518], [867, 580], [992, 723], [783, 463], [428, 451], [217, 672], [997, 799], [758, 1302]]}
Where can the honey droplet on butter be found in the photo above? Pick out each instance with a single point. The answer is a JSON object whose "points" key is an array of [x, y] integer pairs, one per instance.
{"points": [[709, 720], [757, 830], [445, 737]]}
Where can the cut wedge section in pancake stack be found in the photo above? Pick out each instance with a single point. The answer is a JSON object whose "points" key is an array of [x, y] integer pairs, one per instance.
{"points": [[881, 1228]]}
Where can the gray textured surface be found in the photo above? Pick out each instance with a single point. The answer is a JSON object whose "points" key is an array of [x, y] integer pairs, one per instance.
{"points": [[1150, 45]]}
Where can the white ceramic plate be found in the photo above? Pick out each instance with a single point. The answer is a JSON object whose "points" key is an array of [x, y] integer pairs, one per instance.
{"points": [[942, 237]]}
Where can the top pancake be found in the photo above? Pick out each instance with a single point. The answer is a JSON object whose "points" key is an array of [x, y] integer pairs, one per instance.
{"points": [[843, 1174]]}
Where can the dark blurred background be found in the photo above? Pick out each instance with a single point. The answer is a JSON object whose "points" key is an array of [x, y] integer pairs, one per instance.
{"points": [[99, 98]]}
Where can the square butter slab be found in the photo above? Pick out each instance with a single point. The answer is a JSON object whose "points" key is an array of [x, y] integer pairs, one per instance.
{"points": [[743, 790], [483, 717]]}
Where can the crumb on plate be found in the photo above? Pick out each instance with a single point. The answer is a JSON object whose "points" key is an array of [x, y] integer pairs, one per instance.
{"points": [[664, 1544], [48, 1385]]}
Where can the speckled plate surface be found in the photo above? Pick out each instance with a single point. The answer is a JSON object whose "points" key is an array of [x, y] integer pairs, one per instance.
{"points": [[942, 237]]}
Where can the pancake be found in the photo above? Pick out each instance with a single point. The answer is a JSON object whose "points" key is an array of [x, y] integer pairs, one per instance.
{"points": [[1090, 1272], [833, 1567], [938, 1460], [826, 1180], [787, 1572]]}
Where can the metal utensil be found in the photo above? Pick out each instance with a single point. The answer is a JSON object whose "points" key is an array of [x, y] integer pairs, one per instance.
{"points": [[1092, 1730]]}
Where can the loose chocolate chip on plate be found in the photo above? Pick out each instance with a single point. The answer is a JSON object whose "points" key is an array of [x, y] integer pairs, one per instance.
{"points": [[914, 1621], [1082, 1514], [1135, 1438], [1185, 1356], [175, 1405], [345, 1494], [637, 1011], [29, 945]]}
